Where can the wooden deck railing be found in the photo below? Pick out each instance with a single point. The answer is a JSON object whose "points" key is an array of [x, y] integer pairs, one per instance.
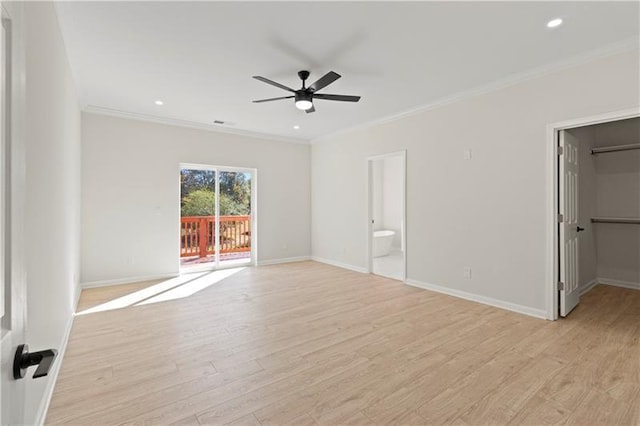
{"points": [[197, 235]]}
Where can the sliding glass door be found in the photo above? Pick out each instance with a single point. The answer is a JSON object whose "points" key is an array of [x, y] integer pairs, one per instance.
{"points": [[217, 217]]}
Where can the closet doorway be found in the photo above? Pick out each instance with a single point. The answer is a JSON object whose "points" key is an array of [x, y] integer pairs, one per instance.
{"points": [[598, 208]]}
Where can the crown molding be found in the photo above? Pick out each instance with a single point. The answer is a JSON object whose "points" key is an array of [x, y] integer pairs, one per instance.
{"points": [[94, 109], [623, 46], [620, 47]]}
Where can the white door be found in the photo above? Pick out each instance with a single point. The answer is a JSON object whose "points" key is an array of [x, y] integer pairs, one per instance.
{"points": [[569, 292], [12, 187]]}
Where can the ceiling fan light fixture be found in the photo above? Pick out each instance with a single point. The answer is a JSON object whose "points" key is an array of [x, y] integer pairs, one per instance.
{"points": [[303, 101], [304, 105]]}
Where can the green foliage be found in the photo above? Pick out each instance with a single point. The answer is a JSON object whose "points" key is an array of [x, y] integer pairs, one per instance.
{"points": [[198, 193], [200, 202], [192, 180], [235, 193]]}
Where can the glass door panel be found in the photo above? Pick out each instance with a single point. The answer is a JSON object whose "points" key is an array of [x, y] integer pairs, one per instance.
{"points": [[235, 218], [197, 218]]}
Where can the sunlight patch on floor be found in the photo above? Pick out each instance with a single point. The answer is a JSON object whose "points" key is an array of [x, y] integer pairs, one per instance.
{"points": [[174, 288], [192, 287]]}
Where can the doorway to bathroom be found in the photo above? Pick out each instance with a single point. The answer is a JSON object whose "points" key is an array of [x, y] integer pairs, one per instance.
{"points": [[387, 248]]}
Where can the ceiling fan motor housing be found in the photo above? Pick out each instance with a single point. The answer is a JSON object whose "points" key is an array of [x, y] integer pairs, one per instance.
{"points": [[301, 95], [304, 100]]}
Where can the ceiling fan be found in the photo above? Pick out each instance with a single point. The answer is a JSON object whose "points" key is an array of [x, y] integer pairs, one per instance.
{"points": [[304, 96]]}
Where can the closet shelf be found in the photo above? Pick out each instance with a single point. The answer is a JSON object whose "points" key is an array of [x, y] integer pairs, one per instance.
{"points": [[634, 220], [615, 148]]}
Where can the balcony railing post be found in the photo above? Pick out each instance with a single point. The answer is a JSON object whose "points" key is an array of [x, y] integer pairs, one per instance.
{"points": [[203, 236]]}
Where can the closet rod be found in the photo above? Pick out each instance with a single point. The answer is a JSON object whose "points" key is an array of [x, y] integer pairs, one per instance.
{"points": [[634, 220], [615, 148]]}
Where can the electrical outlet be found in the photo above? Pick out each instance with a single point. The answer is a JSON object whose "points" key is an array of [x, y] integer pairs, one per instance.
{"points": [[466, 272]]}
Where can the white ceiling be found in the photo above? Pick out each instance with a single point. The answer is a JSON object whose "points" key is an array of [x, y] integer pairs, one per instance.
{"points": [[199, 57]]}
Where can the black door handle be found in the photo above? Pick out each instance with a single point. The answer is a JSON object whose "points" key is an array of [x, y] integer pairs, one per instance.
{"points": [[25, 359], [579, 229]]}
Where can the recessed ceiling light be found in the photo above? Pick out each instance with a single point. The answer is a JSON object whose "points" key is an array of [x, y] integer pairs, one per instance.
{"points": [[159, 102], [296, 127], [554, 23]]}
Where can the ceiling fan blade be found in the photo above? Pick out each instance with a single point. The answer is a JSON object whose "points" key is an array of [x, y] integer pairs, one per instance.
{"points": [[310, 110], [273, 83], [324, 81], [273, 99], [343, 98]]}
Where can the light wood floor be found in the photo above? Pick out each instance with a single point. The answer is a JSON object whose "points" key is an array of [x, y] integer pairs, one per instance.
{"points": [[307, 343]]}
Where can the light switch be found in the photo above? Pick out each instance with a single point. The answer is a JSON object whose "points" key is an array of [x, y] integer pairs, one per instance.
{"points": [[467, 154]]}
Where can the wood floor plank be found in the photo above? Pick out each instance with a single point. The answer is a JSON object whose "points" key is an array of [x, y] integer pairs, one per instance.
{"points": [[249, 402], [122, 407], [462, 395], [248, 420], [307, 343], [506, 400], [304, 420]]}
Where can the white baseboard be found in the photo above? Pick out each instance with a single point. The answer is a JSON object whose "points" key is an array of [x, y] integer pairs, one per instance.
{"points": [[526, 310], [283, 260], [340, 264], [618, 283], [128, 280], [588, 286], [41, 416]]}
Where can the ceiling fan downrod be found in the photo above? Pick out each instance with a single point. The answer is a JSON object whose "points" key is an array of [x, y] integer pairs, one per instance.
{"points": [[304, 75]]}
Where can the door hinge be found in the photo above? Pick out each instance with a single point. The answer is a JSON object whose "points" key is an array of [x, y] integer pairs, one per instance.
{"points": [[560, 285], [560, 150], [560, 218]]}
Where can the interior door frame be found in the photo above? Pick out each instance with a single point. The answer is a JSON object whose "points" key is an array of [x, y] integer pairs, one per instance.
{"points": [[553, 198], [369, 190], [14, 327], [253, 215]]}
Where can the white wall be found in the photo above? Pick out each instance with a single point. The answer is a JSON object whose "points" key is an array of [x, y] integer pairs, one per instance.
{"points": [[130, 193], [618, 194], [490, 212], [53, 192], [587, 201]]}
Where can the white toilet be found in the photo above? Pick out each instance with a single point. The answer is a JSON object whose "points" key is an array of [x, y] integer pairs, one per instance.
{"points": [[382, 241]]}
